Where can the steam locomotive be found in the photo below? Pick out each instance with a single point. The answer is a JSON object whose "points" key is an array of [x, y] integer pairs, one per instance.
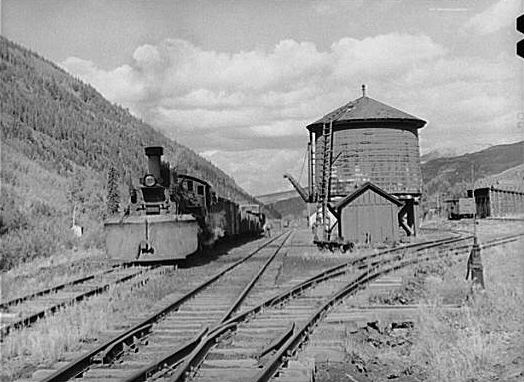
{"points": [[171, 216]]}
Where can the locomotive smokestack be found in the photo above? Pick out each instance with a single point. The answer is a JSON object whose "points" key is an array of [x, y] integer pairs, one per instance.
{"points": [[153, 156]]}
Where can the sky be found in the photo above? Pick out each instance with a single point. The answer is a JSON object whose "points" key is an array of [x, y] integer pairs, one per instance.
{"points": [[238, 81]]}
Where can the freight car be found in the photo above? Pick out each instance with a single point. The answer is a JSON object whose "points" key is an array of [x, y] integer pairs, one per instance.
{"points": [[171, 216], [460, 208]]}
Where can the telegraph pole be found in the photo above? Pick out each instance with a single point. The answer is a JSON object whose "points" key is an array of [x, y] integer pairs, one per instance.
{"points": [[475, 261]]}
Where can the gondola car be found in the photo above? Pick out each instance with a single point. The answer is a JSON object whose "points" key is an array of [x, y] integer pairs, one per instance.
{"points": [[251, 219]]}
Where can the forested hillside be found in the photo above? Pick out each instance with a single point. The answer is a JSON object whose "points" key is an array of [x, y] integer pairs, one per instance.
{"points": [[66, 123], [452, 175], [59, 139]]}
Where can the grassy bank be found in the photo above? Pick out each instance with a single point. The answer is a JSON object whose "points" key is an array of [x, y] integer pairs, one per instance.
{"points": [[44, 272], [481, 340], [86, 325]]}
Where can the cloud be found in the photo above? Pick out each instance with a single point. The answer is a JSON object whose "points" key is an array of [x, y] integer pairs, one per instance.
{"points": [[268, 162], [179, 86], [228, 105], [382, 56], [119, 85], [335, 7], [497, 16]]}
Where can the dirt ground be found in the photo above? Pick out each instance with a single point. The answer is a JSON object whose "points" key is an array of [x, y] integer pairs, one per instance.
{"points": [[459, 332]]}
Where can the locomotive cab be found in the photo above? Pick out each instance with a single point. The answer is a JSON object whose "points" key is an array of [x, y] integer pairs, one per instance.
{"points": [[197, 195]]}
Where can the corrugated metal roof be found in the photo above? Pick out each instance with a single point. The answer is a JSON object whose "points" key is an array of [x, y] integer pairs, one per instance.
{"points": [[512, 187], [366, 109]]}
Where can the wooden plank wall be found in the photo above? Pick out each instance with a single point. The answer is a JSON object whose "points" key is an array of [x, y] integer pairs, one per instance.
{"points": [[504, 203], [388, 157], [370, 218]]}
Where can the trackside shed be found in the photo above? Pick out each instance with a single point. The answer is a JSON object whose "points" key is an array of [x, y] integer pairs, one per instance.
{"points": [[369, 215], [498, 202]]}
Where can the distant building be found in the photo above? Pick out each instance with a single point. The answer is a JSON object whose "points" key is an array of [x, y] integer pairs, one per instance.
{"points": [[499, 201]]}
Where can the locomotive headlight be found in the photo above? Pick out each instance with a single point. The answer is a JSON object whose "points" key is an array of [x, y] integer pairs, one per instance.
{"points": [[149, 180]]}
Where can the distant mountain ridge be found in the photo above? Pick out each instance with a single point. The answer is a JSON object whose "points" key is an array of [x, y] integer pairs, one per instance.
{"points": [[510, 180], [439, 153], [453, 174], [277, 196]]}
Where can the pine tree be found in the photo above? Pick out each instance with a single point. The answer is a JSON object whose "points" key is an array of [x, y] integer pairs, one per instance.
{"points": [[113, 197]]}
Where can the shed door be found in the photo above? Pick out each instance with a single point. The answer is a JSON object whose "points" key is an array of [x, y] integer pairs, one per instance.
{"points": [[370, 218]]}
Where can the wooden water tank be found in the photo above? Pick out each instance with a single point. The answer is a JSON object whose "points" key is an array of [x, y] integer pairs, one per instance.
{"points": [[372, 142]]}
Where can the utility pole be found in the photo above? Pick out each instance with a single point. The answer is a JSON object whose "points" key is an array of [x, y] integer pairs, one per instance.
{"points": [[474, 201], [474, 267]]}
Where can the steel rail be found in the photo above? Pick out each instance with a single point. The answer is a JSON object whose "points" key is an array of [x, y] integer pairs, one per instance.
{"points": [[199, 354], [28, 320], [279, 342], [172, 359], [293, 343], [242, 296], [84, 362], [81, 364], [56, 288], [509, 219]]}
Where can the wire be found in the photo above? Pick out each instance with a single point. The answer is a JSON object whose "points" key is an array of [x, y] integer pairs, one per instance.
{"points": [[303, 164]]}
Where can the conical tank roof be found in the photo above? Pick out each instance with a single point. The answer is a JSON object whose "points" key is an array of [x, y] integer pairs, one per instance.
{"points": [[365, 110]]}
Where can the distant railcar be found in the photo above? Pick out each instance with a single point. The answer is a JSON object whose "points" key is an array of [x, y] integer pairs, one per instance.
{"points": [[460, 208], [251, 219]]}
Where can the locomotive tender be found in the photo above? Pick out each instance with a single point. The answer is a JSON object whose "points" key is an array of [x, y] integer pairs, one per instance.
{"points": [[171, 216]]}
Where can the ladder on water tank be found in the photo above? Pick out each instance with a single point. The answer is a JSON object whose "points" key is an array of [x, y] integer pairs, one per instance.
{"points": [[322, 218]]}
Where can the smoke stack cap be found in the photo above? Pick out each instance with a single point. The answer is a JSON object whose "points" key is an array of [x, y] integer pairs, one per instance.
{"points": [[154, 151]]}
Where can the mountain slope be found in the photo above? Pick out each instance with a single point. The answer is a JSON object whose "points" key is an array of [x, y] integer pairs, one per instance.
{"points": [[511, 179], [65, 122], [453, 174], [59, 138], [276, 196]]}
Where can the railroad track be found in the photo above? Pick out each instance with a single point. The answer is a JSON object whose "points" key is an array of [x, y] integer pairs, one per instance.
{"points": [[247, 355], [265, 329], [200, 303], [24, 311], [280, 318], [112, 350], [283, 367]]}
